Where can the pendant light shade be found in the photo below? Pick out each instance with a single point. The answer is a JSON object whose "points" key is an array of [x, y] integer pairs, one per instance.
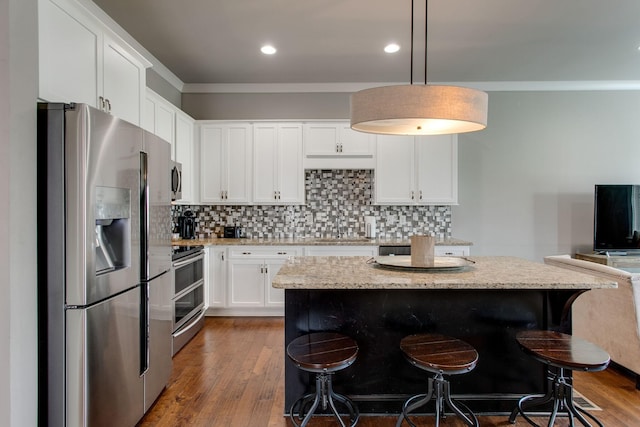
{"points": [[419, 109]]}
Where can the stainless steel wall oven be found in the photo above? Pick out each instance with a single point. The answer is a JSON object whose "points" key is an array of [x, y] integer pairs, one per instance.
{"points": [[188, 297]]}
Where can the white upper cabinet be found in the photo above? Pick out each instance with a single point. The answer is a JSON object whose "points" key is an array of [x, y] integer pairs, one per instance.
{"points": [[437, 169], [185, 153], [394, 179], [416, 170], [160, 118], [278, 174], [177, 128], [123, 82], [81, 60], [69, 44], [225, 163], [334, 145]]}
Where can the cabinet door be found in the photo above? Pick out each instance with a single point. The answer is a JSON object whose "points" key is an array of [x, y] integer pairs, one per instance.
{"points": [[265, 163], [211, 163], [321, 139], [238, 158], [290, 167], [68, 55], [354, 143], [246, 283], [274, 297], [185, 154], [451, 250], [165, 118], [217, 276], [123, 82], [395, 174], [437, 169]]}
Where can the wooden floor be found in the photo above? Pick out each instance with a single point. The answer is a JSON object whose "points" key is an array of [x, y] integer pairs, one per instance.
{"points": [[232, 374]]}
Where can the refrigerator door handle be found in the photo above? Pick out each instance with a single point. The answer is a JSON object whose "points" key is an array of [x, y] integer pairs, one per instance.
{"points": [[144, 328], [144, 264]]}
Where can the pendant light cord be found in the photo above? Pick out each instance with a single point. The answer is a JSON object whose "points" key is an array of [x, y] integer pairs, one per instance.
{"points": [[411, 67], [426, 15], [426, 26]]}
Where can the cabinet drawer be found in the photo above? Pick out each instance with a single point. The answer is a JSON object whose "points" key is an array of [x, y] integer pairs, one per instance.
{"points": [[264, 251], [451, 250]]}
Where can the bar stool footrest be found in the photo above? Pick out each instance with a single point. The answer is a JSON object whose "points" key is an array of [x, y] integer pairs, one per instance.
{"points": [[323, 397]]}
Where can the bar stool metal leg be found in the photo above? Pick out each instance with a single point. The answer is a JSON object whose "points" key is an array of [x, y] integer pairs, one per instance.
{"points": [[325, 397], [560, 392], [439, 390]]}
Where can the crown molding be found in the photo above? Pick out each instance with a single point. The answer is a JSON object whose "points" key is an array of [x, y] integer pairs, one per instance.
{"points": [[157, 66], [535, 86]]}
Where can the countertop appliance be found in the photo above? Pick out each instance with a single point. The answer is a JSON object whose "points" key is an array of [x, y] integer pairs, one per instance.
{"points": [[370, 227], [231, 232], [188, 294], [187, 225], [104, 262]]}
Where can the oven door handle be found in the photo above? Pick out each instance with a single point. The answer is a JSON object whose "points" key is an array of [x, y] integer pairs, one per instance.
{"points": [[188, 289], [189, 260], [184, 328]]}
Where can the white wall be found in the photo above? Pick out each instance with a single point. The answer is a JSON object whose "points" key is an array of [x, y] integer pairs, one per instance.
{"points": [[18, 90], [526, 182]]}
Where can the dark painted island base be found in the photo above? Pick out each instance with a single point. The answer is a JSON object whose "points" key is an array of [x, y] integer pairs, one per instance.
{"points": [[381, 379]]}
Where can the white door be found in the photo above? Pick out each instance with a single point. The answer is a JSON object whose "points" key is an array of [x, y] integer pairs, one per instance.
{"points": [[395, 174], [217, 276], [246, 283], [184, 154], [123, 82], [320, 139], [68, 56], [265, 163], [437, 169], [274, 297], [238, 163], [290, 167], [354, 143], [213, 164]]}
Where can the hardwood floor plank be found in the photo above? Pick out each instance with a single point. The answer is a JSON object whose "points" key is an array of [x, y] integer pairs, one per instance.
{"points": [[232, 375]]}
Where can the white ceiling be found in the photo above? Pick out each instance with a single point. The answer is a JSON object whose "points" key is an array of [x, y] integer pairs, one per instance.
{"points": [[341, 41]]}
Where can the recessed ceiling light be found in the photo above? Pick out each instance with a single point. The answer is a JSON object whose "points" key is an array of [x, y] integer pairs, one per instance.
{"points": [[268, 50], [391, 48]]}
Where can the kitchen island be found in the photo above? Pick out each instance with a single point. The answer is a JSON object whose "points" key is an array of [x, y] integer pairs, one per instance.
{"points": [[485, 304]]}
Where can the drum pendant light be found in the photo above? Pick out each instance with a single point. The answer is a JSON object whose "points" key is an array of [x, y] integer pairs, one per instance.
{"points": [[419, 109]]}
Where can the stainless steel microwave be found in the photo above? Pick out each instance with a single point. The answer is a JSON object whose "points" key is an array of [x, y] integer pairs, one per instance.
{"points": [[176, 181]]}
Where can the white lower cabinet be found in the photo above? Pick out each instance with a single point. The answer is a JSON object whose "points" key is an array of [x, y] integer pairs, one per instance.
{"points": [[216, 276], [442, 250], [247, 272]]}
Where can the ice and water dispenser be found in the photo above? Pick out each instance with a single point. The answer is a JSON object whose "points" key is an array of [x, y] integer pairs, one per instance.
{"points": [[113, 229]]}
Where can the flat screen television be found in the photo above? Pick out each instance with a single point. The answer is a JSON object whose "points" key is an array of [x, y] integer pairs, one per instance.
{"points": [[617, 219]]}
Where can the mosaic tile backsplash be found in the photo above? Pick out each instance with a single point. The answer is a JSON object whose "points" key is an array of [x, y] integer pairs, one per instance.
{"points": [[336, 200]]}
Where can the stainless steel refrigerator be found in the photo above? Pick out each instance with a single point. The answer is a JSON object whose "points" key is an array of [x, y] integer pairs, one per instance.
{"points": [[104, 267]]}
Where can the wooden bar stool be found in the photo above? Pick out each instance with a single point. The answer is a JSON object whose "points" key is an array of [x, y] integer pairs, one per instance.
{"points": [[559, 352], [440, 355], [323, 353]]}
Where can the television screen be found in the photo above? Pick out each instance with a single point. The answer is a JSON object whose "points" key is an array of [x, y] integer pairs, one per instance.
{"points": [[617, 218]]}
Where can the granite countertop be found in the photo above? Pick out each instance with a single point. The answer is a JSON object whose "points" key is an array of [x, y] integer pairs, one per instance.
{"points": [[311, 241], [485, 273]]}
